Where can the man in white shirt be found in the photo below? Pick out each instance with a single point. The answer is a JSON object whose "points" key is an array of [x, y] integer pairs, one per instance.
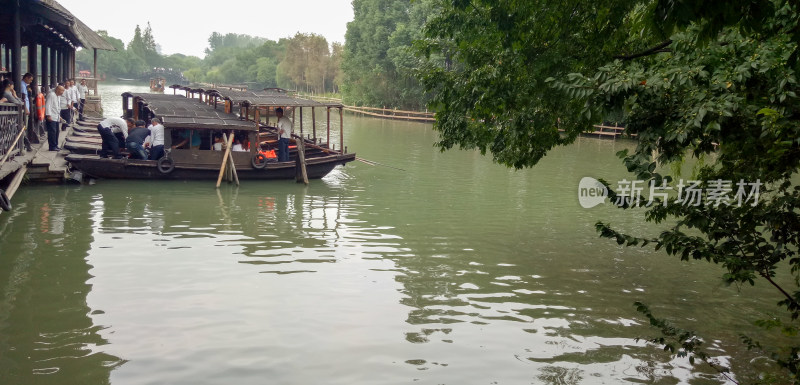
{"points": [[108, 129], [83, 90], [285, 131], [156, 140], [74, 98], [52, 113], [66, 104]]}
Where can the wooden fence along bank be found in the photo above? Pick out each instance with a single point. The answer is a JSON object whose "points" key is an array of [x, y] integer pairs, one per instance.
{"points": [[600, 130]]}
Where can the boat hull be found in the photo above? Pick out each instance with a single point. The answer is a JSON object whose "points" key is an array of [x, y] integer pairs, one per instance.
{"points": [[97, 167]]}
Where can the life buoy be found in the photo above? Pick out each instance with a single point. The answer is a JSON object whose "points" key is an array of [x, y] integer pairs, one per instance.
{"points": [[40, 106], [258, 161], [166, 165], [5, 203]]}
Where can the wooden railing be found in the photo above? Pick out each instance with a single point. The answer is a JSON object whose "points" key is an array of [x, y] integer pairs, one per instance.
{"points": [[10, 128], [388, 113]]}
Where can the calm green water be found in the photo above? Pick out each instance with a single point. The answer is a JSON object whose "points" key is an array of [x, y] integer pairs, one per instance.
{"points": [[452, 271]]}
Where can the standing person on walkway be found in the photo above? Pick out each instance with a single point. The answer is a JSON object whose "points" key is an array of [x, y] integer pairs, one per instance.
{"points": [[135, 140], [156, 139], [285, 131], [83, 90], [52, 111], [65, 105], [106, 129], [74, 100], [23, 93]]}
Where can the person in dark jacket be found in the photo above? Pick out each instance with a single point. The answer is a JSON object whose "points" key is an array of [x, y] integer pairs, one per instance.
{"points": [[135, 140]]}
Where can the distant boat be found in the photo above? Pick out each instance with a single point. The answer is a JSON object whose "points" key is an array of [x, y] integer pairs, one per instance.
{"points": [[157, 84], [126, 80]]}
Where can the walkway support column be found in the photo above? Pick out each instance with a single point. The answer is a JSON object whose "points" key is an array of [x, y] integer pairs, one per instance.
{"points": [[53, 66], [45, 82], [16, 65]]}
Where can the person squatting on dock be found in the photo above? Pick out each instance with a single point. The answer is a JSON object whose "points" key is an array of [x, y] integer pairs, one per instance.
{"points": [[108, 129], [285, 130], [135, 140], [52, 112]]}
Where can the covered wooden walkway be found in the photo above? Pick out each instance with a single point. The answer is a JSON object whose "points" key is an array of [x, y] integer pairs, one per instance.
{"points": [[38, 37]]}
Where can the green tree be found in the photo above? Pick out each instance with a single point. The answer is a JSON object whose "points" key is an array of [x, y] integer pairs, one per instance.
{"points": [[151, 55], [710, 79], [137, 44], [305, 62], [377, 63], [335, 67]]}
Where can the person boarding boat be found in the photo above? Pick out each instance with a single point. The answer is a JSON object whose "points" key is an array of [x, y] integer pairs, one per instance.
{"points": [[108, 129]]}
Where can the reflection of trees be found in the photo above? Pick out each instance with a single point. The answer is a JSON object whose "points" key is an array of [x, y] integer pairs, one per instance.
{"points": [[45, 329], [269, 224]]}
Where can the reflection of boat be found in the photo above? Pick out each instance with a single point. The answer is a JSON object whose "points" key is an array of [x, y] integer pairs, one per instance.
{"points": [[185, 117], [157, 84], [126, 80]]}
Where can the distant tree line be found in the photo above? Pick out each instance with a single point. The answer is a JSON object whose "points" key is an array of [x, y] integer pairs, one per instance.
{"points": [[305, 62]]}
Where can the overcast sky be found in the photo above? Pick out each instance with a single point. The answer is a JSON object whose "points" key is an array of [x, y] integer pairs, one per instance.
{"points": [[182, 26]]}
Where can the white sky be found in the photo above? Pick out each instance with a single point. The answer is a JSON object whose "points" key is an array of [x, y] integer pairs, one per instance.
{"points": [[183, 26]]}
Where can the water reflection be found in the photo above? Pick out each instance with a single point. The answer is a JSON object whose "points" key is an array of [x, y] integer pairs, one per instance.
{"points": [[45, 327]]}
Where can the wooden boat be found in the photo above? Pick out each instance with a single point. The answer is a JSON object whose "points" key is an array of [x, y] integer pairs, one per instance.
{"points": [[157, 84], [181, 114]]}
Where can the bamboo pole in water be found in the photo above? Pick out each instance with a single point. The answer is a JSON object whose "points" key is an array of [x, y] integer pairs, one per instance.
{"points": [[224, 161], [232, 166]]}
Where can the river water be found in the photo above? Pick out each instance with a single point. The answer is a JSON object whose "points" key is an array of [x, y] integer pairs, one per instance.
{"points": [[437, 268]]}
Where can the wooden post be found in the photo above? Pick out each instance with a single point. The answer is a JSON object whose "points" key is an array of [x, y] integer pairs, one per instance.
{"points": [[33, 52], [341, 129], [16, 66], [94, 71], [60, 63], [302, 176], [45, 82], [329, 128], [53, 66], [73, 67], [224, 160], [301, 121], [314, 123]]}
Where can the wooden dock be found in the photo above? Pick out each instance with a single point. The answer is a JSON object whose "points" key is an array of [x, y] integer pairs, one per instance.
{"points": [[38, 165], [606, 132]]}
